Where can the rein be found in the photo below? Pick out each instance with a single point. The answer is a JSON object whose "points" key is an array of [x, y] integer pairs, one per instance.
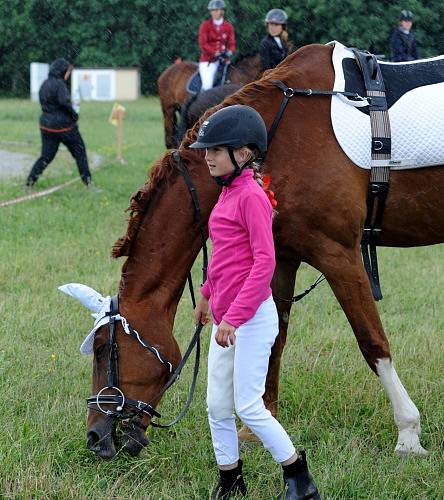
{"points": [[137, 407]]}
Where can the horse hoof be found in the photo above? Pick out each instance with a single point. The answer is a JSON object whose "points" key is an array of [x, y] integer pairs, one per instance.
{"points": [[408, 444], [245, 434], [402, 451]]}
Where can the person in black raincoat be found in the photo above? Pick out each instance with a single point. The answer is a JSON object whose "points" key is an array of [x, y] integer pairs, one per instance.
{"points": [[402, 40], [274, 47], [58, 124]]}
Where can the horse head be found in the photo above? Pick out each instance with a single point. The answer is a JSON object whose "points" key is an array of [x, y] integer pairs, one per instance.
{"points": [[120, 421], [121, 406]]}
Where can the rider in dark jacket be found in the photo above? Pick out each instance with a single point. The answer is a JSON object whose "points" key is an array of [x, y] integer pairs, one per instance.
{"points": [[58, 124], [274, 47], [402, 40], [55, 100]]}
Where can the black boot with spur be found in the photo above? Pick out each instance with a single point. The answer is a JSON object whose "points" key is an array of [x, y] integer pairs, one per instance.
{"points": [[231, 483], [299, 484]]}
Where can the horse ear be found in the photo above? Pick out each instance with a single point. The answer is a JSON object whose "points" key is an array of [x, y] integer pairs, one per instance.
{"points": [[85, 295]]}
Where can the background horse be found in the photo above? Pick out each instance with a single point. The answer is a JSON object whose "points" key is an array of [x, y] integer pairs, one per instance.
{"points": [[321, 211], [196, 105], [171, 86]]}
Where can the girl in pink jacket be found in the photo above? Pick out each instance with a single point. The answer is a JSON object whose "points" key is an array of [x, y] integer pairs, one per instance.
{"points": [[238, 292]]}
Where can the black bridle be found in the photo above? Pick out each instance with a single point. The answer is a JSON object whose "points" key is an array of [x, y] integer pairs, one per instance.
{"points": [[126, 408]]}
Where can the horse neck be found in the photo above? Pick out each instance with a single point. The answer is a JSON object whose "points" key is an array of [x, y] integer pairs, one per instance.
{"points": [[167, 243], [246, 70]]}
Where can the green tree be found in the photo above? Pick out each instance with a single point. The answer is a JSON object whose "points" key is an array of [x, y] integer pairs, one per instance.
{"points": [[150, 34]]}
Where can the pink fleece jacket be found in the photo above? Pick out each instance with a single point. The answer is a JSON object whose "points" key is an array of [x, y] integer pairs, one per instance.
{"points": [[242, 260]]}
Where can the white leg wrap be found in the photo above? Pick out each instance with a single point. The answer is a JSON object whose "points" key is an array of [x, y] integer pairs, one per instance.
{"points": [[406, 414]]}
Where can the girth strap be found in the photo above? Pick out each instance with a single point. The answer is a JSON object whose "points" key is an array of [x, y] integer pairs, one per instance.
{"points": [[381, 149]]}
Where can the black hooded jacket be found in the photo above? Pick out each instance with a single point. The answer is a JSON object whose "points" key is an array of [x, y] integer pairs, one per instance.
{"points": [[270, 52], [57, 111]]}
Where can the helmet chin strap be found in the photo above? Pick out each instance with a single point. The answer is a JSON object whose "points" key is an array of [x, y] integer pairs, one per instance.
{"points": [[237, 169]]}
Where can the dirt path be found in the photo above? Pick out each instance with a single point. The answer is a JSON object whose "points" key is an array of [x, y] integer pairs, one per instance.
{"points": [[19, 164], [14, 164]]}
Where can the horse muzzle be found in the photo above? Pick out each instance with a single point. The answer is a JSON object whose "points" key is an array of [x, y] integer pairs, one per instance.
{"points": [[101, 437], [106, 435]]}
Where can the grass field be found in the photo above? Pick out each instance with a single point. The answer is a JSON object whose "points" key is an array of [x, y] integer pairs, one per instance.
{"points": [[330, 401]]}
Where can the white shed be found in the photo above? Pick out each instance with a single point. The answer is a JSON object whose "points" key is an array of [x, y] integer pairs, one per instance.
{"points": [[38, 74], [105, 84]]}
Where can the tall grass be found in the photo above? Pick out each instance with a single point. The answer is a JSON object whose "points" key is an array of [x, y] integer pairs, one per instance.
{"points": [[330, 401]]}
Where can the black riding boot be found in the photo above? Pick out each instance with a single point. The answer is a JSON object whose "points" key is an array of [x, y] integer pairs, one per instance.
{"points": [[299, 484], [231, 483]]}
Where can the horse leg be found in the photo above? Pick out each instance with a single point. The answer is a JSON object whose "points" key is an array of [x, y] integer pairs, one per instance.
{"points": [[283, 288], [346, 274]]}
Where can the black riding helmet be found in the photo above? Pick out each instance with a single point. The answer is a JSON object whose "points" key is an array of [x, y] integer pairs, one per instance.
{"points": [[406, 15], [233, 127]]}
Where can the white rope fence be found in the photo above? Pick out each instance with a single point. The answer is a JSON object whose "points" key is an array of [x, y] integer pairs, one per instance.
{"points": [[38, 194]]}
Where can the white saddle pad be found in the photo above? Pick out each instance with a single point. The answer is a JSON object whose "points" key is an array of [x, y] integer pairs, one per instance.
{"points": [[416, 122]]}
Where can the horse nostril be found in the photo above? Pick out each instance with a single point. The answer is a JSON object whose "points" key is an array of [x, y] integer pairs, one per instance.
{"points": [[92, 439]]}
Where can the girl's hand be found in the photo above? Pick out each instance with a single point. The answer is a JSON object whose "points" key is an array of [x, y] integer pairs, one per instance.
{"points": [[201, 312], [225, 334]]}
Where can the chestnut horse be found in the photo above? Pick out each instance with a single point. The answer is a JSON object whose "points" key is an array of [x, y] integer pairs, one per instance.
{"points": [[321, 213], [171, 87]]}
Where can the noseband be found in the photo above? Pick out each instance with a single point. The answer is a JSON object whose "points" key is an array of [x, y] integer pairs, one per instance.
{"points": [[126, 408]]}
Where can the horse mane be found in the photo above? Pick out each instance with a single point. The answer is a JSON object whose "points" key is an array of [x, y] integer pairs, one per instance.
{"points": [[139, 203], [163, 168]]}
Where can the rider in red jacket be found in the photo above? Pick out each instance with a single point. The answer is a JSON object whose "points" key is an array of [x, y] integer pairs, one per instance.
{"points": [[216, 37]]}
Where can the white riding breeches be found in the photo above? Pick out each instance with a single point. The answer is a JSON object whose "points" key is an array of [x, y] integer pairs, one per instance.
{"points": [[236, 382], [207, 72]]}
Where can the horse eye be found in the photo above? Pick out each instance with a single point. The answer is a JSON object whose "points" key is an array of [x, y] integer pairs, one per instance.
{"points": [[100, 350]]}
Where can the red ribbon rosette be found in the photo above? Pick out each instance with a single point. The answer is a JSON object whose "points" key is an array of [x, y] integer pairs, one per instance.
{"points": [[266, 187]]}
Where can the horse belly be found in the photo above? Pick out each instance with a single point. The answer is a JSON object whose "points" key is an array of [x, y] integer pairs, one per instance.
{"points": [[414, 213]]}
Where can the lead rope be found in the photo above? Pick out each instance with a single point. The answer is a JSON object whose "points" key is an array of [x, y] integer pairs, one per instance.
{"points": [[301, 295]]}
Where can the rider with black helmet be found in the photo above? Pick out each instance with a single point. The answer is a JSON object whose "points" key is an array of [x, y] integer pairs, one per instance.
{"points": [[245, 321], [402, 40], [274, 47]]}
